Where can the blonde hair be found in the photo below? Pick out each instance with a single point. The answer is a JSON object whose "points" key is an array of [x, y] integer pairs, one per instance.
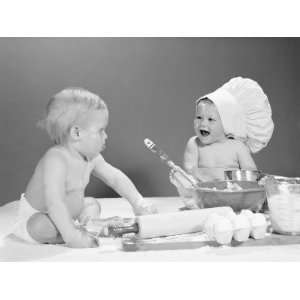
{"points": [[65, 107]]}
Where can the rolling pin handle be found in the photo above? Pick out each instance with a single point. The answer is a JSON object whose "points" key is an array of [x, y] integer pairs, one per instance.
{"points": [[117, 231]]}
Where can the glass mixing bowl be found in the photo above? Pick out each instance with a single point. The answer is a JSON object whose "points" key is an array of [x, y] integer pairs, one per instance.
{"points": [[283, 196], [236, 194]]}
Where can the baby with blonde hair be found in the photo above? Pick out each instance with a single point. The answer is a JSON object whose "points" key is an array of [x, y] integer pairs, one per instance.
{"points": [[54, 199]]}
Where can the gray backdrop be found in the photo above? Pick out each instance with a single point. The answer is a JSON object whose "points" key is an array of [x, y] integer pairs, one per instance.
{"points": [[150, 85]]}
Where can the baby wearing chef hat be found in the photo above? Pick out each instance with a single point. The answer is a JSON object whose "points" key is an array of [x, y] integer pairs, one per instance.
{"points": [[230, 123]]}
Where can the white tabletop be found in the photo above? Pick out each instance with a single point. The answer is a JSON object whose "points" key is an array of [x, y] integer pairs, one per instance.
{"points": [[12, 249]]}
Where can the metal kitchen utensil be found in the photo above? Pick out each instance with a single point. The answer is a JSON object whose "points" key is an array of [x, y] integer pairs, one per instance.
{"points": [[119, 231], [164, 157]]}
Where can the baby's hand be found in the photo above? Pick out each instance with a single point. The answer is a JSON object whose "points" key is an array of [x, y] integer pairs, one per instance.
{"points": [[184, 189], [84, 240], [88, 240], [179, 180], [100, 227]]}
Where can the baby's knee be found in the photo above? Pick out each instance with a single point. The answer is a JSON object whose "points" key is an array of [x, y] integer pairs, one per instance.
{"points": [[93, 204], [42, 229], [91, 209]]}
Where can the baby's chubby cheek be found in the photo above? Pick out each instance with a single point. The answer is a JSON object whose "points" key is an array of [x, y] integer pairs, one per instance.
{"points": [[197, 131]]}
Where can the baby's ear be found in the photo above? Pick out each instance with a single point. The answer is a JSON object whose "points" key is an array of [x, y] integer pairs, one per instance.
{"points": [[75, 132]]}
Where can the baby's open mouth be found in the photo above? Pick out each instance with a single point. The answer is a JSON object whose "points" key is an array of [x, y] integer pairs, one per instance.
{"points": [[204, 132]]}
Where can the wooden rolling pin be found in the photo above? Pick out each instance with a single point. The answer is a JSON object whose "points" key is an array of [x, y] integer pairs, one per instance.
{"points": [[166, 224]]}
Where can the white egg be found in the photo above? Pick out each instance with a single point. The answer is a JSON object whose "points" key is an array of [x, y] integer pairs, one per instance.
{"points": [[241, 227], [258, 219], [259, 232], [231, 215], [259, 226], [223, 231], [248, 213]]}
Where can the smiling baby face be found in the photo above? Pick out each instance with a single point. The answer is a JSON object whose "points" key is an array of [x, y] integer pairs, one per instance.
{"points": [[208, 125]]}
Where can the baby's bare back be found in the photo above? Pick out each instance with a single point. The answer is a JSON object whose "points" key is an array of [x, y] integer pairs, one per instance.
{"points": [[75, 182]]}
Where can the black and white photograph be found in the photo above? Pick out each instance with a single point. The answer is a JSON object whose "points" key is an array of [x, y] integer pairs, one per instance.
{"points": [[146, 148], [150, 148]]}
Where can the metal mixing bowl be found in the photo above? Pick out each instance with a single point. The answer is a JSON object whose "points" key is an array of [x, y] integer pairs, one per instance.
{"points": [[243, 175], [215, 193]]}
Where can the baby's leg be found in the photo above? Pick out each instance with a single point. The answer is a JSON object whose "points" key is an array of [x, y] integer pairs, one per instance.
{"points": [[42, 229], [91, 210]]}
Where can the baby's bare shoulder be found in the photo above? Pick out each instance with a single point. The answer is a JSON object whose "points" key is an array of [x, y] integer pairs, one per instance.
{"points": [[54, 156], [237, 145], [50, 168], [193, 143]]}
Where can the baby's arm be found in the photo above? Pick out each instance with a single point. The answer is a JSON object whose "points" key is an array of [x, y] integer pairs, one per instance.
{"points": [[54, 179], [184, 187], [190, 164], [190, 158], [117, 180], [245, 159]]}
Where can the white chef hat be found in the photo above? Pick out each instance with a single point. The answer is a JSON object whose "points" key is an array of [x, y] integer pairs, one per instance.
{"points": [[245, 112]]}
